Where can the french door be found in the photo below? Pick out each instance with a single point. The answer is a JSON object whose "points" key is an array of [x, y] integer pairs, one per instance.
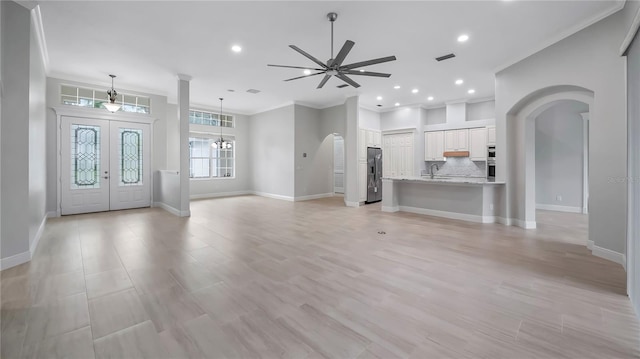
{"points": [[105, 165]]}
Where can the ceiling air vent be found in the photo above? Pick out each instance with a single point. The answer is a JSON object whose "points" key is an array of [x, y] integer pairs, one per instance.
{"points": [[342, 86], [379, 105], [253, 91], [445, 57]]}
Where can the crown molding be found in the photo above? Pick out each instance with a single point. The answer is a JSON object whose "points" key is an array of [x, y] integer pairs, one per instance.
{"points": [[184, 77], [630, 34], [619, 4]]}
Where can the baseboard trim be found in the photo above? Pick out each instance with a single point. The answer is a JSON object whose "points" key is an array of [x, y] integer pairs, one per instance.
{"points": [[552, 207], [220, 194], [524, 224], [172, 210], [33, 243], [313, 196], [352, 204], [274, 196], [449, 215], [589, 244], [505, 221], [609, 255], [53, 214], [390, 209], [6, 263]]}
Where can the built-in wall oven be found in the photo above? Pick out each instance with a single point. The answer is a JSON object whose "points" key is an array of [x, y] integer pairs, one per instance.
{"points": [[491, 162]]}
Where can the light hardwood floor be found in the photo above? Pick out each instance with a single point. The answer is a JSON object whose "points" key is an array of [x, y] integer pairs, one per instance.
{"points": [[255, 277]]}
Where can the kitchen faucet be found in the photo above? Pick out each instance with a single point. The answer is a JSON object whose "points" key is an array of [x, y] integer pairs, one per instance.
{"points": [[431, 169]]}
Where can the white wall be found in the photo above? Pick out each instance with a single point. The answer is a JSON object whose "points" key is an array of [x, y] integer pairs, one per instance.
{"points": [[633, 136], [559, 155], [272, 136], [369, 119], [478, 111], [241, 183], [37, 136], [314, 173], [15, 40], [435, 116], [588, 59], [333, 120]]}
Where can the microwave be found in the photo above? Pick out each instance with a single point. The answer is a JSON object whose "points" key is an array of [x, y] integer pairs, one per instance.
{"points": [[491, 170]]}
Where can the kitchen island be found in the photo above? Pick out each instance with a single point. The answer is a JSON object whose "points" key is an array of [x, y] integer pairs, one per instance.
{"points": [[466, 198]]}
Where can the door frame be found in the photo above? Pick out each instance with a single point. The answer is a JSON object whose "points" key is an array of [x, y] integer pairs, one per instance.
{"points": [[70, 111]]}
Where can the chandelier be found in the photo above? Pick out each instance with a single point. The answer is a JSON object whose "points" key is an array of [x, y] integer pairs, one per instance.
{"points": [[221, 143], [112, 106]]}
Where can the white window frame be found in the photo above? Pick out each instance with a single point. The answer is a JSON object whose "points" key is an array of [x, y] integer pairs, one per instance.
{"points": [[101, 95], [227, 118], [212, 157]]}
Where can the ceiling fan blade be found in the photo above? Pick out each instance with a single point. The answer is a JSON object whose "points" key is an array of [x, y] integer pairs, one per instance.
{"points": [[301, 77], [344, 51], [324, 81], [308, 56], [368, 62], [344, 78], [366, 73], [296, 67]]}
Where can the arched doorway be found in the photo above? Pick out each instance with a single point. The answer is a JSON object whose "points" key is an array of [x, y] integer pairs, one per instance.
{"points": [[520, 153]]}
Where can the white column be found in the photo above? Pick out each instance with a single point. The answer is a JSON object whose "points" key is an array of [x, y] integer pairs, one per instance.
{"points": [[183, 118], [351, 197]]}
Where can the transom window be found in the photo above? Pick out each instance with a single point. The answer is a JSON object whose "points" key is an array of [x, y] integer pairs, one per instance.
{"points": [[84, 97], [205, 161], [197, 117]]}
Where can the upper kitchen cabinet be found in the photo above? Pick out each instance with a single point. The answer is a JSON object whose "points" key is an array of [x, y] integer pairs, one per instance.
{"points": [[368, 138], [456, 140], [478, 144], [434, 146], [491, 135]]}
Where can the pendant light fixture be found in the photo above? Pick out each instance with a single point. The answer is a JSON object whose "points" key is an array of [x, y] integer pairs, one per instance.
{"points": [[112, 106], [221, 142]]}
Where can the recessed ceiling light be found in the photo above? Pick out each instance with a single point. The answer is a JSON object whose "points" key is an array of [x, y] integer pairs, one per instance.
{"points": [[471, 91], [397, 103], [236, 48], [379, 98], [430, 98], [307, 72], [414, 91], [396, 87], [463, 38], [361, 70], [459, 82]]}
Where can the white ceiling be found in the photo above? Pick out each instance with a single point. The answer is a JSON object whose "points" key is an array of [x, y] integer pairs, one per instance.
{"points": [[146, 43]]}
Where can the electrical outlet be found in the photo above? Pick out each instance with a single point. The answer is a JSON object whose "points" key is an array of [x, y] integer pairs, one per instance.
{"points": [[559, 198]]}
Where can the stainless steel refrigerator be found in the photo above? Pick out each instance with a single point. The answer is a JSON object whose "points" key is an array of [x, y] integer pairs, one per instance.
{"points": [[374, 174]]}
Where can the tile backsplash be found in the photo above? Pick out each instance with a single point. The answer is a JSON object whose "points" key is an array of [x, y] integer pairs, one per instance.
{"points": [[458, 166]]}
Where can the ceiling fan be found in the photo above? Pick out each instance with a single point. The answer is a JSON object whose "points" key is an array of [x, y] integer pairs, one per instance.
{"points": [[334, 66]]}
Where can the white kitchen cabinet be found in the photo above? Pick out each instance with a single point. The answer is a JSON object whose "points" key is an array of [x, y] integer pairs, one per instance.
{"points": [[362, 145], [397, 152], [434, 146], [362, 180], [456, 140], [478, 144], [491, 135], [377, 139]]}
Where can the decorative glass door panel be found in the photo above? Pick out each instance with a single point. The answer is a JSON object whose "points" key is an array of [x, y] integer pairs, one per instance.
{"points": [[130, 183]]}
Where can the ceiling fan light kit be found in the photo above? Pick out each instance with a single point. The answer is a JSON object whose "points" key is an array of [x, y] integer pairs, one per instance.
{"points": [[334, 66]]}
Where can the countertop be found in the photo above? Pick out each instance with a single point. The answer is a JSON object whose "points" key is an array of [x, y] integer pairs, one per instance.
{"points": [[447, 180]]}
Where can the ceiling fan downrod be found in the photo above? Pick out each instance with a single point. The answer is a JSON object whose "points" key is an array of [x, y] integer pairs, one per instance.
{"points": [[332, 16]]}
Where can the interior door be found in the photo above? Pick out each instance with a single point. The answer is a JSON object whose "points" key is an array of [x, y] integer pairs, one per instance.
{"points": [[130, 178], [105, 165], [84, 165], [338, 164]]}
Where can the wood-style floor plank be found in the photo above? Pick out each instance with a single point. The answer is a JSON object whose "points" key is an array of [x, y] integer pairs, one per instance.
{"points": [[254, 277]]}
